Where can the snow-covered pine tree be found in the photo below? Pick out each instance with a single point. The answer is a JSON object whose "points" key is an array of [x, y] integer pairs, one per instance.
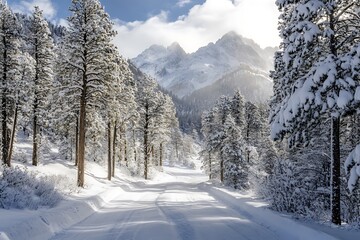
{"points": [[168, 123], [223, 109], [208, 148], [111, 103], [87, 46], [41, 48], [252, 128], [176, 143], [233, 154], [22, 97], [238, 109], [150, 107], [121, 107], [10, 74], [317, 35]]}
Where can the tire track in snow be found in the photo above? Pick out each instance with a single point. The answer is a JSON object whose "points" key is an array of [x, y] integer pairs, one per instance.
{"points": [[184, 229]]}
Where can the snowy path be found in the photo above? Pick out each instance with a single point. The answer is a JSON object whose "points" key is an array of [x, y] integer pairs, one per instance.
{"points": [[181, 206]]}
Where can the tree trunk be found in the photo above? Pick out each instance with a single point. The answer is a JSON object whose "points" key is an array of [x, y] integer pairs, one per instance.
{"points": [[77, 142], [146, 147], [222, 171], [35, 122], [13, 132], [125, 153], [335, 170], [120, 140], [161, 155], [109, 152], [146, 155], [35, 136], [248, 140], [82, 130], [5, 142], [335, 140], [210, 166], [153, 160], [176, 150], [134, 143], [71, 147], [114, 150]]}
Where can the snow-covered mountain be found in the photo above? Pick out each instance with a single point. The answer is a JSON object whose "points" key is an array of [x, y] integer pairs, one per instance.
{"points": [[253, 84], [183, 73]]}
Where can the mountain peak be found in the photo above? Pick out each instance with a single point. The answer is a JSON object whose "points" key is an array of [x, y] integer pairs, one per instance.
{"points": [[176, 48], [231, 34], [231, 37], [156, 47], [174, 45]]}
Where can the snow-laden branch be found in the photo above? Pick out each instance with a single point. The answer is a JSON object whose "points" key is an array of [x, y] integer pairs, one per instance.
{"points": [[352, 167]]}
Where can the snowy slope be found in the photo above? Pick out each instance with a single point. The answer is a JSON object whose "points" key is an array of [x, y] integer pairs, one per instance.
{"points": [[253, 84], [184, 73]]}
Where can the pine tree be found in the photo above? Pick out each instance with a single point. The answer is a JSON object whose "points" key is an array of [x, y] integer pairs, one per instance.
{"points": [[223, 109], [208, 152], [232, 151], [252, 128], [127, 117], [238, 109], [42, 49], [317, 36], [168, 123], [150, 107], [121, 107], [87, 46], [10, 74]]}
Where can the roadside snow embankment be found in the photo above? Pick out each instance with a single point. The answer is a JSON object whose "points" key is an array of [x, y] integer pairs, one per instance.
{"points": [[285, 228], [45, 223]]}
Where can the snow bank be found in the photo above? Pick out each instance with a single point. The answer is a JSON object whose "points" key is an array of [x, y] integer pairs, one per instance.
{"points": [[78, 205], [285, 228], [46, 223]]}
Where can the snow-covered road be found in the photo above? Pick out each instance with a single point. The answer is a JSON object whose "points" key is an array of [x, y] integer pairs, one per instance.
{"points": [[180, 205]]}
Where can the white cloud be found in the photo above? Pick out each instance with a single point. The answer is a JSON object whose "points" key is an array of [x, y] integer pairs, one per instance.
{"points": [[255, 19], [63, 22], [27, 7], [182, 3]]}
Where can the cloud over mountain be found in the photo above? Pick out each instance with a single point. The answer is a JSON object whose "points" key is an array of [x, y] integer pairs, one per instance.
{"points": [[203, 24]]}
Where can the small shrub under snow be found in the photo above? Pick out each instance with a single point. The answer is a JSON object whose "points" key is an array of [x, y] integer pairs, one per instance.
{"points": [[20, 188]]}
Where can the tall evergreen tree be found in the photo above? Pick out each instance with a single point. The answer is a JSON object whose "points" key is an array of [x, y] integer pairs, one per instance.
{"points": [[10, 74], [149, 108], [42, 49], [208, 152], [121, 107], [238, 109], [87, 46], [252, 128], [235, 167], [317, 36]]}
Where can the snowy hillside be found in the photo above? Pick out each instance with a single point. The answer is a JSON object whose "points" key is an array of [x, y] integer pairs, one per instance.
{"points": [[253, 84], [184, 73]]}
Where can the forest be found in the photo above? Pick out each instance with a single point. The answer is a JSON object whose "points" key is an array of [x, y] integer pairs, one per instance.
{"points": [[312, 168], [299, 151], [77, 91]]}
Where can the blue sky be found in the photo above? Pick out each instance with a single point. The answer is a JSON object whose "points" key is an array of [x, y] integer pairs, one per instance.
{"points": [[125, 10], [191, 23]]}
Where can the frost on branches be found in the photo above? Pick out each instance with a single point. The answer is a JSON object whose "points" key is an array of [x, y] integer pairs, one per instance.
{"points": [[352, 167]]}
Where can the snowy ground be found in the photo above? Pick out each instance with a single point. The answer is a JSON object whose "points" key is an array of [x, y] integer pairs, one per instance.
{"points": [[178, 203]]}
